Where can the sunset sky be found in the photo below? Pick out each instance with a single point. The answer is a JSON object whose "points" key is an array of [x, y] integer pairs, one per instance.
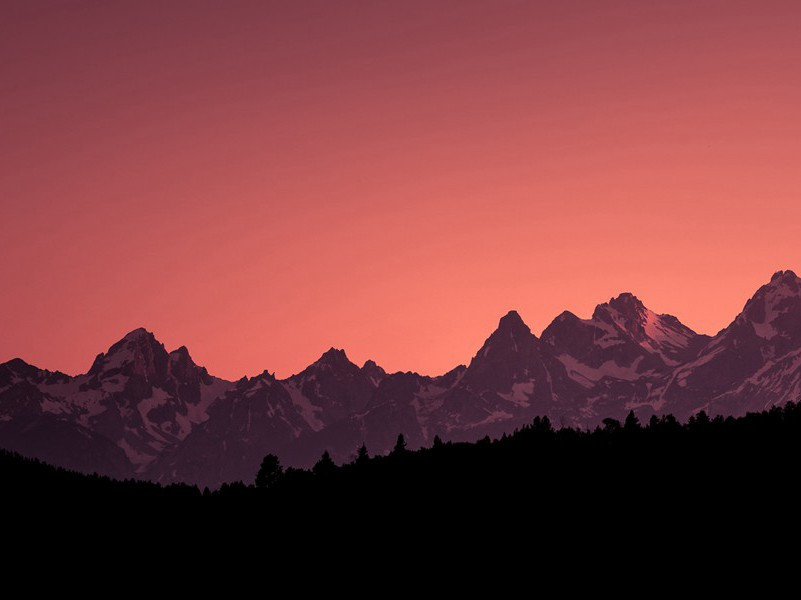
{"points": [[263, 180]]}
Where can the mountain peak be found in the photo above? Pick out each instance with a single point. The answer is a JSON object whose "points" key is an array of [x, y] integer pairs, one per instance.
{"points": [[373, 371], [783, 284], [138, 352], [334, 352], [509, 355], [180, 356], [137, 340], [627, 305], [774, 311], [265, 376], [626, 302], [16, 364], [566, 315], [512, 321], [784, 275], [371, 365], [138, 334], [334, 356], [509, 338], [18, 367]]}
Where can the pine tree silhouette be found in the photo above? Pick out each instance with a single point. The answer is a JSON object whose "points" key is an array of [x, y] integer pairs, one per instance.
{"points": [[362, 457], [270, 472], [632, 423], [324, 466], [400, 445]]}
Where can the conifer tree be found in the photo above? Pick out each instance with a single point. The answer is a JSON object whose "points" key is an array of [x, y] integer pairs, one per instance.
{"points": [[362, 456], [400, 445], [325, 465], [270, 472], [632, 423]]}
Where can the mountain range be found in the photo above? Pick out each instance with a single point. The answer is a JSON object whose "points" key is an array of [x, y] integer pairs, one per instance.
{"points": [[143, 412]]}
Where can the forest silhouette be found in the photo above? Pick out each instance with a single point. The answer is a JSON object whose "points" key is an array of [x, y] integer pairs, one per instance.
{"points": [[621, 478]]}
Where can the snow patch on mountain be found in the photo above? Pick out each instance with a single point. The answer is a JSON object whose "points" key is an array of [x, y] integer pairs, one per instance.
{"points": [[611, 336], [210, 392], [588, 376], [307, 410], [764, 330], [140, 460], [781, 376], [493, 417], [661, 334], [158, 399], [53, 407], [520, 394], [90, 404], [688, 369]]}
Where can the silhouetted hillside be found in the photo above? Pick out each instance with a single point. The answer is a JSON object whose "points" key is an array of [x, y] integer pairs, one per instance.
{"points": [[708, 475], [29, 479]]}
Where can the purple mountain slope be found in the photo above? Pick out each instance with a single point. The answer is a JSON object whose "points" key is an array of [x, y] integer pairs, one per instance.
{"points": [[751, 365]]}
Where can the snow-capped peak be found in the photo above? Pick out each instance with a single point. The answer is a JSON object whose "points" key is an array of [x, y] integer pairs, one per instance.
{"points": [[666, 331], [776, 307], [626, 303], [625, 320], [139, 352], [626, 311]]}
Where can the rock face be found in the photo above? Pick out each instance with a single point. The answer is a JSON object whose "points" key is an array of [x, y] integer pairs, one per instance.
{"points": [[141, 411]]}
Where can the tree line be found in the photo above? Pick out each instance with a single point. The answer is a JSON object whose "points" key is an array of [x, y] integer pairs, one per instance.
{"points": [[619, 477]]}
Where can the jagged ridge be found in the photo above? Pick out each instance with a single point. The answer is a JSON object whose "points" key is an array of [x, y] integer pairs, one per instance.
{"points": [[142, 411]]}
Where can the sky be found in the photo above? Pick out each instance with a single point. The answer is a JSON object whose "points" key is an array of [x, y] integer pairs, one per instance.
{"points": [[260, 181]]}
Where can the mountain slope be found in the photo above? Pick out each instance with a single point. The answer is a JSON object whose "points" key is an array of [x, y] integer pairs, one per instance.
{"points": [[753, 363]]}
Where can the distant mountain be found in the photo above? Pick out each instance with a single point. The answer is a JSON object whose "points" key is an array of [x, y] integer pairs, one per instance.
{"points": [[141, 411], [263, 414], [135, 403], [753, 364]]}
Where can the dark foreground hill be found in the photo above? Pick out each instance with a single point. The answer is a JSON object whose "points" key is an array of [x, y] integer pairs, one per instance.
{"points": [[708, 479]]}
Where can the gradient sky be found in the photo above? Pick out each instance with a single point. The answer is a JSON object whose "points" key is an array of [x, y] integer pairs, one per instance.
{"points": [[263, 180]]}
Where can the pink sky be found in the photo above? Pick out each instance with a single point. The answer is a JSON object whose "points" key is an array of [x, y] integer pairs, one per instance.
{"points": [[263, 180]]}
